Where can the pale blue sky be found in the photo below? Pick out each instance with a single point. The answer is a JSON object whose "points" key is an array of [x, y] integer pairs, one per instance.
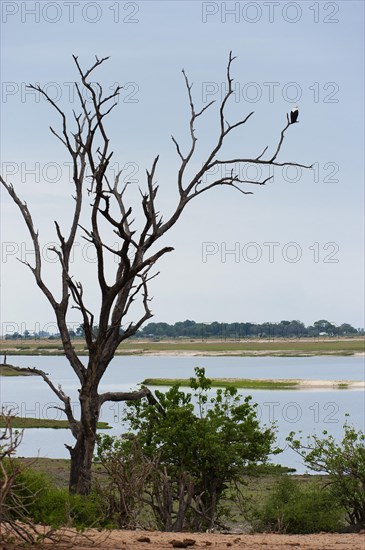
{"points": [[319, 58]]}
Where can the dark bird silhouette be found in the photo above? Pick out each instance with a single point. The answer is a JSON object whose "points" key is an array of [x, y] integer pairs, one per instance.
{"points": [[294, 115]]}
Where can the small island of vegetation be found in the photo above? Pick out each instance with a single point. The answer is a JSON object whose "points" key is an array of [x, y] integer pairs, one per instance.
{"points": [[260, 383], [20, 422], [10, 370]]}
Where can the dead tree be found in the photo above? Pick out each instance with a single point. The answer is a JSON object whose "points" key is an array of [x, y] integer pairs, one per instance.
{"points": [[10, 440], [89, 148]]}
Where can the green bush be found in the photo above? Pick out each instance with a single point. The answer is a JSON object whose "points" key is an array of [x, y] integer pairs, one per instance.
{"points": [[39, 499], [47, 504], [197, 444], [344, 462], [296, 508], [88, 511]]}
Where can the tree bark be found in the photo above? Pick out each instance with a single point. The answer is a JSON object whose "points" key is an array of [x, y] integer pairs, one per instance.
{"points": [[81, 461], [91, 401], [83, 451]]}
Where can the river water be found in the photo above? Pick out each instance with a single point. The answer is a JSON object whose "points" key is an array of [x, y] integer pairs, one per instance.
{"points": [[310, 411]]}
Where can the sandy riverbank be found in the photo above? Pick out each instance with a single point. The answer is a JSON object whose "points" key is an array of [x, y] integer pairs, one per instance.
{"points": [[233, 353], [302, 384], [129, 540]]}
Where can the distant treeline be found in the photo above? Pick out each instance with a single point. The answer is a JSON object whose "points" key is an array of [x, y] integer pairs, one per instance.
{"points": [[204, 331], [284, 329]]}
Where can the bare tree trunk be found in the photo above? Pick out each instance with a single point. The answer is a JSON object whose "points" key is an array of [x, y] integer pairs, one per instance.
{"points": [[81, 461], [83, 451]]}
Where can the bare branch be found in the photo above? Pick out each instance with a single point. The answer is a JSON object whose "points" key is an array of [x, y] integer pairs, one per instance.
{"points": [[152, 194], [280, 142], [178, 148], [74, 424], [255, 161], [228, 181], [66, 140], [263, 152], [124, 396], [92, 68]]}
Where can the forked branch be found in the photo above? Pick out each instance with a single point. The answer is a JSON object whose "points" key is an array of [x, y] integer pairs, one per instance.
{"points": [[74, 424]]}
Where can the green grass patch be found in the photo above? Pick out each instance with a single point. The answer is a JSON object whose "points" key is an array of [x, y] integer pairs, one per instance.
{"points": [[260, 478], [245, 383], [22, 422], [58, 469], [278, 347], [48, 346], [9, 370]]}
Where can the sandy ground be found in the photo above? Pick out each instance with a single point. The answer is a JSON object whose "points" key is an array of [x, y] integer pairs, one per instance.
{"points": [[303, 384], [138, 540], [238, 352], [142, 540], [324, 384], [129, 541]]}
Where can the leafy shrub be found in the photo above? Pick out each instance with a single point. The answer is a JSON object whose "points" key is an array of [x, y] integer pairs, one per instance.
{"points": [[344, 462], [88, 511], [296, 508], [191, 447], [47, 504]]}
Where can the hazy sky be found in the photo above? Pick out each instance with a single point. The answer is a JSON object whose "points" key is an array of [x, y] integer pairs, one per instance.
{"points": [[293, 249]]}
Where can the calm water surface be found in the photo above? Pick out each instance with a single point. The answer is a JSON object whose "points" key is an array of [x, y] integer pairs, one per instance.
{"points": [[308, 410]]}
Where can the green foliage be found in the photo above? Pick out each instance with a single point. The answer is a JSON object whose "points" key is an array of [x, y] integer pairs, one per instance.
{"points": [[44, 503], [88, 511], [27, 422], [296, 508], [203, 447], [223, 437], [41, 501], [344, 462], [286, 329]]}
